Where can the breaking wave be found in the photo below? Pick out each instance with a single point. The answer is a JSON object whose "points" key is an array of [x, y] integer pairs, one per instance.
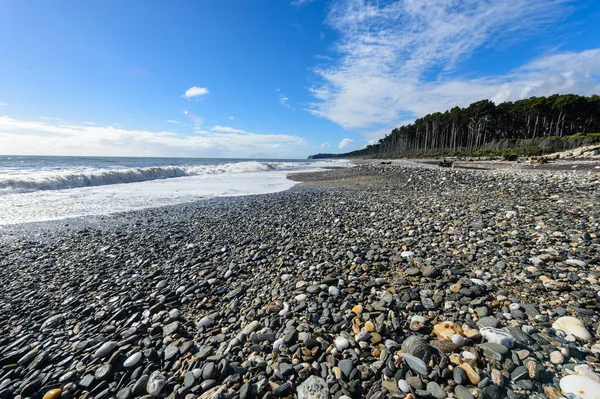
{"points": [[58, 180]]}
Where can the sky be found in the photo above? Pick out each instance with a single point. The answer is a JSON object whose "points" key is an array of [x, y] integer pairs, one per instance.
{"points": [[272, 78]]}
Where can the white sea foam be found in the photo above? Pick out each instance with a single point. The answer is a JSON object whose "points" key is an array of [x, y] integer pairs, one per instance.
{"points": [[27, 181], [47, 195]]}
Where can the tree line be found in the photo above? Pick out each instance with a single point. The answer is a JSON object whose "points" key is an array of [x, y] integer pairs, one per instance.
{"points": [[483, 122]]}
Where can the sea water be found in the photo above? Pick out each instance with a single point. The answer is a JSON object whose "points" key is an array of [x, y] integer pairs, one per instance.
{"points": [[40, 188]]}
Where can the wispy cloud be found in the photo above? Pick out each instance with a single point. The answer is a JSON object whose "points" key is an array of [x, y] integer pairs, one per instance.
{"points": [[173, 121], [324, 145], [398, 59], [299, 3], [195, 91], [345, 143], [89, 123], [21, 137], [283, 99], [231, 117], [227, 129], [3, 104]]}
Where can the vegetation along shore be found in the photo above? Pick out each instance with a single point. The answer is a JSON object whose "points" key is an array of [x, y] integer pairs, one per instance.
{"points": [[534, 126]]}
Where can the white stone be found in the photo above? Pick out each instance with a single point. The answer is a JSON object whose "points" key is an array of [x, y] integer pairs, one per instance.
{"points": [[575, 262], [341, 343], [583, 387], [497, 336], [301, 297], [403, 385], [155, 384], [514, 306], [468, 355], [285, 309], [106, 349], [458, 339], [573, 326], [132, 360], [278, 343], [333, 291], [228, 273], [285, 277], [313, 388], [511, 214], [303, 336], [478, 281], [535, 260], [556, 357], [407, 254]]}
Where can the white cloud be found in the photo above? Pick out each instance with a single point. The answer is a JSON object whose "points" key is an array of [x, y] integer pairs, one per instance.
{"points": [[398, 58], [324, 145], [299, 3], [173, 121], [21, 137], [284, 100], [345, 143], [195, 92], [3, 104], [227, 129], [90, 123], [231, 118]]}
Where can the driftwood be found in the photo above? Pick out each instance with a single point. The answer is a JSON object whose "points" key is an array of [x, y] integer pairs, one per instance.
{"points": [[445, 163]]}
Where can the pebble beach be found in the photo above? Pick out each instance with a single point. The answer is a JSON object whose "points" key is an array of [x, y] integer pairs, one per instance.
{"points": [[378, 281]]}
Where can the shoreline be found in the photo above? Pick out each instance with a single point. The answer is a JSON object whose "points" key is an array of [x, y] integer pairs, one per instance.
{"points": [[330, 279]]}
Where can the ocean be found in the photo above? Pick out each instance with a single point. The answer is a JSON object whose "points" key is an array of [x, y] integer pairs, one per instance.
{"points": [[42, 188]]}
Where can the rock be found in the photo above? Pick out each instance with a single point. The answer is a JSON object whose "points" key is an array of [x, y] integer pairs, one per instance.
{"points": [[573, 326], [106, 349], [436, 390], [445, 330], [417, 347], [417, 322], [430, 272], [519, 373], [133, 360], [346, 366], [473, 376], [497, 336], [313, 388], [462, 392], [416, 364], [204, 322], [556, 357], [494, 350], [459, 375], [403, 386], [155, 384], [575, 262], [458, 340], [53, 394], [583, 387], [488, 321]]}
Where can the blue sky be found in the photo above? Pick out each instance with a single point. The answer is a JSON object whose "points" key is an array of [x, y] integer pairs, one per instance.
{"points": [[272, 78]]}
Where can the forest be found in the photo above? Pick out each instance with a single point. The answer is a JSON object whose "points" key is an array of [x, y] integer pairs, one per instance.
{"points": [[484, 125]]}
